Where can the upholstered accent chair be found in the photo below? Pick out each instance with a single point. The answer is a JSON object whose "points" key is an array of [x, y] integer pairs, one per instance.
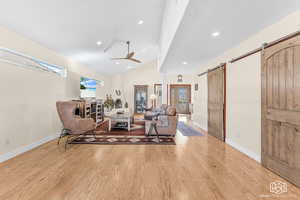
{"points": [[73, 125], [154, 112], [163, 125]]}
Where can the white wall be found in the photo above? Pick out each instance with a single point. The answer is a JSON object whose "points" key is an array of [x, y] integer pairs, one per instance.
{"points": [[27, 109], [244, 104], [75, 71], [200, 103], [146, 75], [243, 86]]}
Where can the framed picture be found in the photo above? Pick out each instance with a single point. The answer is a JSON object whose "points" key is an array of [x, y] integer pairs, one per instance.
{"points": [[196, 87]]}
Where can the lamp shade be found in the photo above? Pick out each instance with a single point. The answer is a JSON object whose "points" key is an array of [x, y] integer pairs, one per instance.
{"points": [[152, 96]]}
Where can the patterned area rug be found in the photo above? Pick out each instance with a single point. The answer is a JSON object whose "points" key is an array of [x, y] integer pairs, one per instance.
{"points": [[111, 140], [137, 129], [186, 130]]}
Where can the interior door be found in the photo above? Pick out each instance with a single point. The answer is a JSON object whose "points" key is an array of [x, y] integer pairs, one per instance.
{"points": [[281, 109], [180, 97], [216, 101], [140, 98]]}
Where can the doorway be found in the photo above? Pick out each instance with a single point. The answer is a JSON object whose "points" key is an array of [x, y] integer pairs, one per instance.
{"points": [[140, 98], [180, 97]]}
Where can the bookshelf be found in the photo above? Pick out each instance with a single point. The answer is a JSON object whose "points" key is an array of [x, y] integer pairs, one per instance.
{"points": [[91, 109]]}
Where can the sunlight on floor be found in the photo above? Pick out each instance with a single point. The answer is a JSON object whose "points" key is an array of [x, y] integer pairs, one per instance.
{"points": [[180, 139], [183, 118]]}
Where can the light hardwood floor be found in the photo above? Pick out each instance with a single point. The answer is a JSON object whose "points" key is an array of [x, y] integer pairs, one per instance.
{"points": [[196, 168]]}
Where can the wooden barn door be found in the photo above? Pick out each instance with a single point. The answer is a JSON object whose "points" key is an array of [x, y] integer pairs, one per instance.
{"points": [[216, 100], [281, 109]]}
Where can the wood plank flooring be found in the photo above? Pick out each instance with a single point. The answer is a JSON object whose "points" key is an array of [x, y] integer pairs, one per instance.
{"points": [[196, 168]]}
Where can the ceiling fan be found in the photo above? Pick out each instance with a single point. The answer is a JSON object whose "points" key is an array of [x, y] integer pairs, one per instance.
{"points": [[129, 55]]}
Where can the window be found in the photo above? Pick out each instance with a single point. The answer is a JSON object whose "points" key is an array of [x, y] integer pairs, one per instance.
{"points": [[22, 60]]}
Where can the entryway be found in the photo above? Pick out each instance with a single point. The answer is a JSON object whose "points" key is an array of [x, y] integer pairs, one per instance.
{"points": [[180, 97]]}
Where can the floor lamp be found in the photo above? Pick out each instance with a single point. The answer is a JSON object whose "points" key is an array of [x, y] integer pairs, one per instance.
{"points": [[153, 98]]}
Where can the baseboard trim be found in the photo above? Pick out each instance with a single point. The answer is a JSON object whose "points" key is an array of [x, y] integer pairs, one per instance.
{"points": [[244, 150], [26, 148]]}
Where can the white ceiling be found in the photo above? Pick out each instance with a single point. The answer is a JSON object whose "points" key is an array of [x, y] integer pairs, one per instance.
{"points": [[72, 27], [235, 19]]}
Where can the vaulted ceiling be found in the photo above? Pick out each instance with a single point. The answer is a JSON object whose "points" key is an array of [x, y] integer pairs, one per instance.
{"points": [[235, 21], [73, 27]]}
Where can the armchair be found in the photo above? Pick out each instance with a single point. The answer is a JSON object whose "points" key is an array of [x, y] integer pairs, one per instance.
{"points": [[164, 125], [73, 125], [153, 113]]}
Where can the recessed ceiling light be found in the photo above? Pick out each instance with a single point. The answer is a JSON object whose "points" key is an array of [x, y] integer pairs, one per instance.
{"points": [[215, 34], [99, 43], [117, 63], [140, 22], [184, 62]]}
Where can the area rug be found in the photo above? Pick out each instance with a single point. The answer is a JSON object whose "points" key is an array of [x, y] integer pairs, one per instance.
{"points": [[186, 130], [137, 129], [127, 140]]}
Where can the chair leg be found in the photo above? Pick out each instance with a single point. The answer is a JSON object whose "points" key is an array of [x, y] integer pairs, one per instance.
{"points": [[155, 129], [62, 134], [67, 142], [58, 139], [150, 130]]}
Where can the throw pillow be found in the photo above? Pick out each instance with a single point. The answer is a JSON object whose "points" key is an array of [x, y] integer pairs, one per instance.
{"points": [[171, 111]]}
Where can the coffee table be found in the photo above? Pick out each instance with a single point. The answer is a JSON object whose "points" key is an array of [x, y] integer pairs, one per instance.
{"points": [[119, 118]]}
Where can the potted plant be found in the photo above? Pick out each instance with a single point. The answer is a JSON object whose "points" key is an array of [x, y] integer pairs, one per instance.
{"points": [[109, 102]]}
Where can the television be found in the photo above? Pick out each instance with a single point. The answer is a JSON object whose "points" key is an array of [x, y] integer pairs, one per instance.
{"points": [[87, 87]]}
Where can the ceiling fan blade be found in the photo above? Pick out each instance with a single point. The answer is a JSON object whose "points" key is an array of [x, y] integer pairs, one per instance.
{"points": [[135, 60], [130, 55], [119, 58]]}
